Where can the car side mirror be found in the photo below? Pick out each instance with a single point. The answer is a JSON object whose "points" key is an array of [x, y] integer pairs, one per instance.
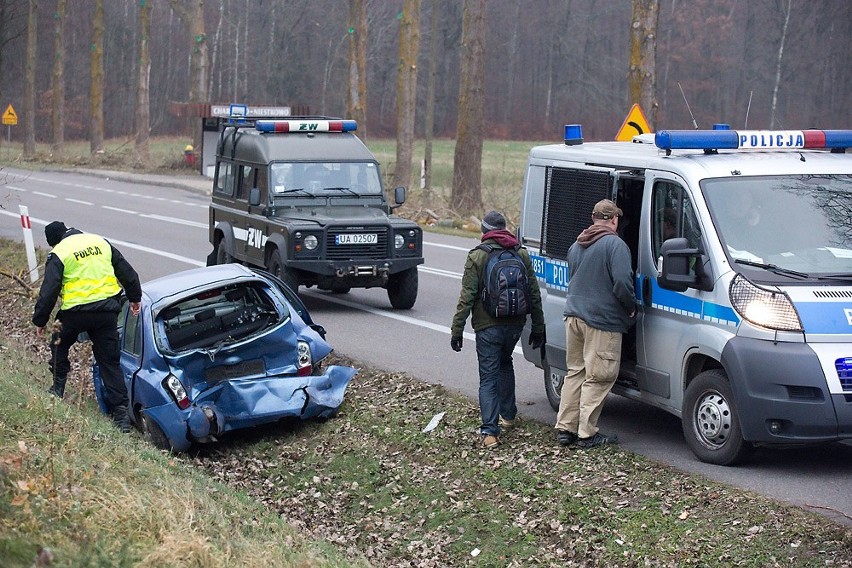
{"points": [[254, 196], [399, 196], [682, 267]]}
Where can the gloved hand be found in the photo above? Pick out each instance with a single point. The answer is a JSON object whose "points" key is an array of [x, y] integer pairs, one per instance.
{"points": [[456, 343], [536, 340]]}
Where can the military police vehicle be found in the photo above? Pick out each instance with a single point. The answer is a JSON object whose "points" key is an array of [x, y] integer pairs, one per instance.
{"points": [[303, 198], [741, 244]]}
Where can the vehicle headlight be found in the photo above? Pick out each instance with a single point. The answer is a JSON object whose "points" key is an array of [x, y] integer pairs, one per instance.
{"points": [[398, 241], [305, 363], [311, 242], [766, 308]]}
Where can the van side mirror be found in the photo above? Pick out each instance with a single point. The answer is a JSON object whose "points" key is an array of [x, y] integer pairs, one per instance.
{"points": [[254, 196], [682, 267]]}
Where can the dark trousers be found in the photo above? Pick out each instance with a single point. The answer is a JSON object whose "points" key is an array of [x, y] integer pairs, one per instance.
{"points": [[102, 330], [494, 347]]}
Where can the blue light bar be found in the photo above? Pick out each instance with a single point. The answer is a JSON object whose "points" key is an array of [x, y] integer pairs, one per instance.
{"points": [[752, 139], [284, 126]]}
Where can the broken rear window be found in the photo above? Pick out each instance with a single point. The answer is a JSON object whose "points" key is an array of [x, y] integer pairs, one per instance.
{"points": [[224, 314]]}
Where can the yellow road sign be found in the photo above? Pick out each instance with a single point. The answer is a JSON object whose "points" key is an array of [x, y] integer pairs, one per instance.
{"points": [[634, 124], [9, 117]]}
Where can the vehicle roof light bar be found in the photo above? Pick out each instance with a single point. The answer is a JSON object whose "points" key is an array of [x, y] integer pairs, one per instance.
{"points": [[722, 139], [283, 126]]}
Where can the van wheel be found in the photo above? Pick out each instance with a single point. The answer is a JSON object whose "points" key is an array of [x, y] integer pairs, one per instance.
{"points": [[710, 421], [222, 256], [552, 386], [402, 289], [277, 268]]}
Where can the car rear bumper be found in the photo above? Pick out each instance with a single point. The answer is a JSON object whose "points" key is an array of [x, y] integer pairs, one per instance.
{"points": [[242, 403]]}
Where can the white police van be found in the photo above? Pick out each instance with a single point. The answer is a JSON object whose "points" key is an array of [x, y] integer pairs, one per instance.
{"points": [[741, 244]]}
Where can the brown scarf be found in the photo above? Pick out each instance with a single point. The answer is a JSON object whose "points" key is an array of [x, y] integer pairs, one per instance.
{"points": [[593, 233]]}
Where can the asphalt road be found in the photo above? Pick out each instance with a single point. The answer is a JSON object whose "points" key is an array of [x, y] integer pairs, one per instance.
{"points": [[163, 229]]}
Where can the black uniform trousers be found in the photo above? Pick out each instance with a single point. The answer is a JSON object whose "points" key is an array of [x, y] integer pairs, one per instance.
{"points": [[102, 330]]}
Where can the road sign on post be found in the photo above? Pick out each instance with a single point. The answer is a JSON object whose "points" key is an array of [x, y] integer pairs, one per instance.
{"points": [[10, 118], [634, 124]]}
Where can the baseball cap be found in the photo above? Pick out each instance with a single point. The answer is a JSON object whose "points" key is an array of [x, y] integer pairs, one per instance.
{"points": [[606, 209]]}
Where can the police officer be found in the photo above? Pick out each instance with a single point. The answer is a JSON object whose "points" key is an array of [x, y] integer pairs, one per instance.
{"points": [[86, 270]]}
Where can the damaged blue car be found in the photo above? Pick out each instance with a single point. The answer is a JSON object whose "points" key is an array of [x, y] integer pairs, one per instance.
{"points": [[222, 348]]}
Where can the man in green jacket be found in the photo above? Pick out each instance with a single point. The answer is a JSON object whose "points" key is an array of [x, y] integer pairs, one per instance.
{"points": [[496, 337]]}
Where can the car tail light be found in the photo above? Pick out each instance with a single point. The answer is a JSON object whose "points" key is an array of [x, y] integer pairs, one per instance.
{"points": [[305, 364], [175, 388]]}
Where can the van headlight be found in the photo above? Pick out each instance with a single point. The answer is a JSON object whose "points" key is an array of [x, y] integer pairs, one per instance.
{"points": [[767, 308], [398, 241], [311, 242]]}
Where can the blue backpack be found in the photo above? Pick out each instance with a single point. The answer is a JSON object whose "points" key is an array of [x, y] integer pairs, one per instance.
{"points": [[505, 286]]}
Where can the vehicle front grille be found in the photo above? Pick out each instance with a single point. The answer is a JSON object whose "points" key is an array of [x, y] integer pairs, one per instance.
{"points": [[376, 251], [844, 373], [215, 375]]}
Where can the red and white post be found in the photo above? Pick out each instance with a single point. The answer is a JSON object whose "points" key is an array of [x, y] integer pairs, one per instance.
{"points": [[28, 242]]}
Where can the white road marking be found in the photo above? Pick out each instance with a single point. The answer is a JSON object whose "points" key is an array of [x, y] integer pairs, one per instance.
{"points": [[42, 194], [175, 220], [81, 202], [120, 210]]}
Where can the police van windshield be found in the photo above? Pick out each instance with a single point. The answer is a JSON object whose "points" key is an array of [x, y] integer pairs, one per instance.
{"points": [[801, 223], [325, 178]]}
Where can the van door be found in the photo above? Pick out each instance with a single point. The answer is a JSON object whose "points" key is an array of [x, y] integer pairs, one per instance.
{"points": [[668, 212]]}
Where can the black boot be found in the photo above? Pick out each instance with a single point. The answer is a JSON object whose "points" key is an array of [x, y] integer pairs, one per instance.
{"points": [[57, 389], [121, 419]]}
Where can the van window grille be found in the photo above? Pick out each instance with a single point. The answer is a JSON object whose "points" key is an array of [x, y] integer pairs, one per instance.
{"points": [[570, 196]]}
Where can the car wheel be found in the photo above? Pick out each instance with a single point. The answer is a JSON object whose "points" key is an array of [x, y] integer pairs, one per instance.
{"points": [[222, 256], [276, 268], [710, 421], [552, 385], [402, 289], [154, 433]]}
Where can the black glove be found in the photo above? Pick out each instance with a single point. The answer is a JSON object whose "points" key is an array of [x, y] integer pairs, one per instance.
{"points": [[536, 340], [456, 343]]}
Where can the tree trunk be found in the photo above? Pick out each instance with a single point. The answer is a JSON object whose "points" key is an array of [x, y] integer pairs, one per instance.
{"points": [[356, 99], [191, 13], [774, 106], [57, 114], [642, 75], [429, 126], [467, 166], [29, 89], [406, 90], [96, 104], [143, 108]]}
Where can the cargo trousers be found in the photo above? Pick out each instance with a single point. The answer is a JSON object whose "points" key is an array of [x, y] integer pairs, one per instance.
{"points": [[593, 357]]}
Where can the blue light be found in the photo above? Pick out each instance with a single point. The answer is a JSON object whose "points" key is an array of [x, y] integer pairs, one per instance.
{"points": [[697, 140], [838, 138], [721, 138], [573, 134]]}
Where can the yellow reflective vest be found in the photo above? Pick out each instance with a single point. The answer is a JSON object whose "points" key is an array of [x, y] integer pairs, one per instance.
{"points": [[88, 275]]}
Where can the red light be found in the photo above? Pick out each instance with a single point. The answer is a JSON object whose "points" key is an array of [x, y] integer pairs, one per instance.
{"points": [[304, 371], [183, 403]]}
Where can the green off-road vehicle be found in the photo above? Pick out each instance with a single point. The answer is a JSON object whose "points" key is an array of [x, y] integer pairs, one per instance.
{"points": [[302, 197]]}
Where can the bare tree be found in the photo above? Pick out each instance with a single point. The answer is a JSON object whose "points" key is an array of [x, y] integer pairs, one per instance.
{"points": [[642, 73], [356, 99], [143, 104], [191, 12], [467, 166], [406, 90], [96, 91], [780, 58], [57, 115], [29, 92], [429, 126]]}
